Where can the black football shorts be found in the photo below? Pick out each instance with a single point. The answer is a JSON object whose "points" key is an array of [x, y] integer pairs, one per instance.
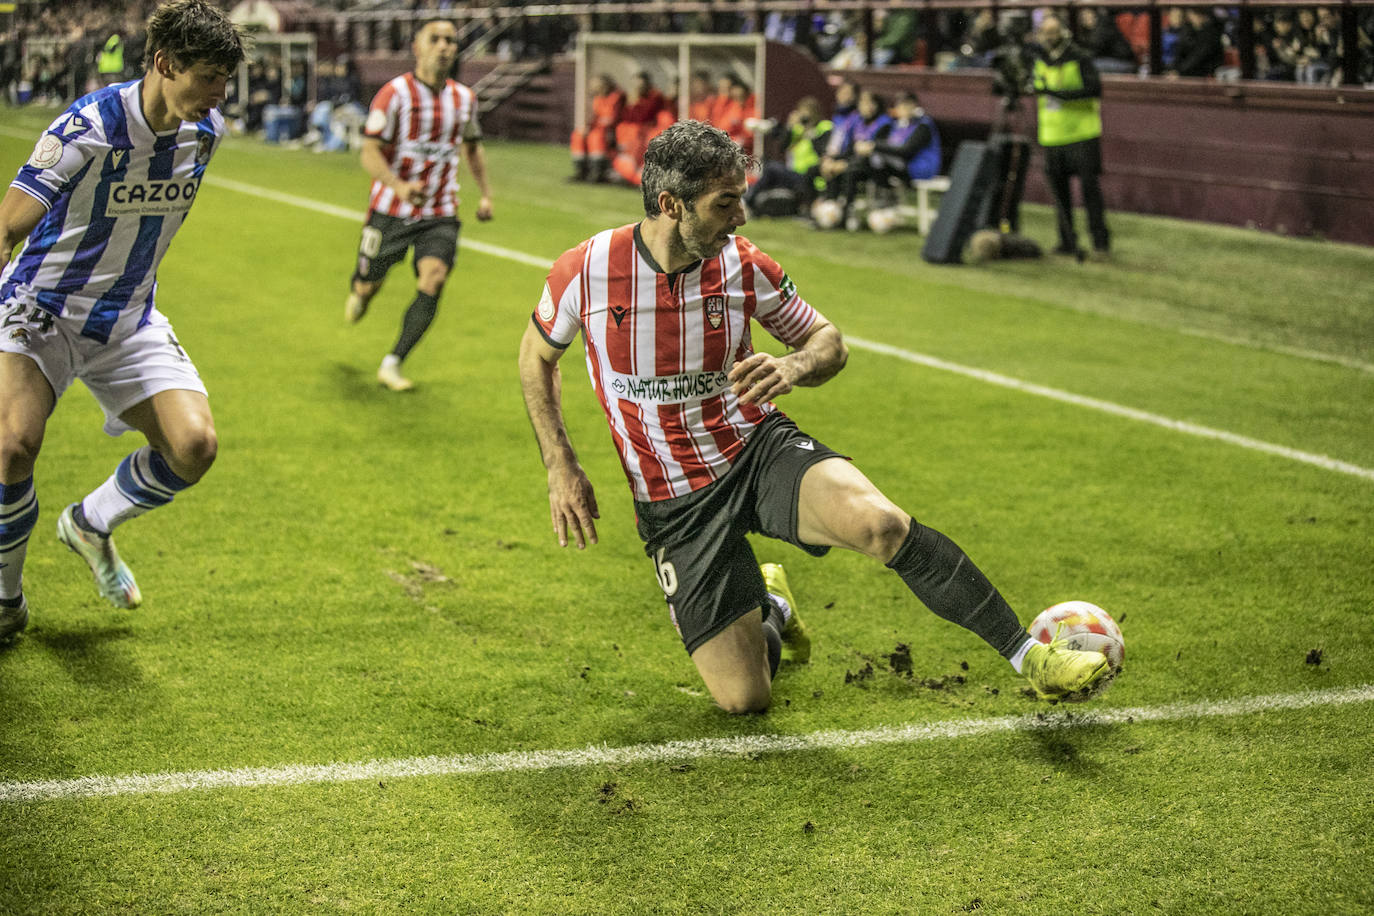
{"points": [[697, 542], [386, 238]]}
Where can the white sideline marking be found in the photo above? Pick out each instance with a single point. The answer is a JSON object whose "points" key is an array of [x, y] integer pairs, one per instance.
{"points": [[1078, 400], [537, 761]]}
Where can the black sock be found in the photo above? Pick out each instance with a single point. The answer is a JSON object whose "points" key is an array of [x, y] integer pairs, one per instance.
{"points": [[948, 583], [772, 634], [417, 321]]}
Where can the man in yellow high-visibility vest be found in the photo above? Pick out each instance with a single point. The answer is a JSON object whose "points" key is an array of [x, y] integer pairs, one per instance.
{"points": [[110, 61], [1069, 91]]}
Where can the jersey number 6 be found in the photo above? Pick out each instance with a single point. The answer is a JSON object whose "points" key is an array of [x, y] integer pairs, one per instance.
{"points": [[667, 575]]}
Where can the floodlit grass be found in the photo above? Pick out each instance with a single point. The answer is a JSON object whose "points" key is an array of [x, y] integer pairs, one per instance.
{"points": [[371, 576]]}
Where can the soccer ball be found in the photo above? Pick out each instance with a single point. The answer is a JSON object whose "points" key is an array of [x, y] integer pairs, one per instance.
{"points": [[883, 220], [827, 213], [1085, 627]]}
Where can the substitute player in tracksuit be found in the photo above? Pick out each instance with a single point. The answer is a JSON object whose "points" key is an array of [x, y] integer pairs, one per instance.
{"points": [[107, 187], [664, 307]]}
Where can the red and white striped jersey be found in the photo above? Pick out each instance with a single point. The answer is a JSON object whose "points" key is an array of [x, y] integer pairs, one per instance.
{"points": [[659, 347], [421, 130]]}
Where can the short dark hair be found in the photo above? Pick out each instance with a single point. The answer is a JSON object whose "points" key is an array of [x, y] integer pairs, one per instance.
{"points": [[191, 31], [430, 20], [685, 159]]}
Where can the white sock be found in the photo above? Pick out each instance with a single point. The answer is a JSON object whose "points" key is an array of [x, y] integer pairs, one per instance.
{"points": [[143, 481], [1019, 655], [392, 361], [783, 606]]}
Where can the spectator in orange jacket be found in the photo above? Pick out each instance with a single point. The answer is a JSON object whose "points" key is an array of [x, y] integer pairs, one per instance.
{"points": [[636, 121], [699, 98], [738, 113], [591, 145]]}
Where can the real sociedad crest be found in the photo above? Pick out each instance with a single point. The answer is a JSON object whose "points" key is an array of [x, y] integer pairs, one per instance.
{"points": [[715, 310]]}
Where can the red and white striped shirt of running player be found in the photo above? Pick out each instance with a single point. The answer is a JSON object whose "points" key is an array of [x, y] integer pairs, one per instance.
{"points": [[659, 347], [421, 130]]}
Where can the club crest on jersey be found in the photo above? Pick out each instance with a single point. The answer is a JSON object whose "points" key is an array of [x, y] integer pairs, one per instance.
{"points": [[46, 153], [715, 310], [204, 144]]}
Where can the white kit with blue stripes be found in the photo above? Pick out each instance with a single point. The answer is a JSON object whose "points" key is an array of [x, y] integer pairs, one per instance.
{"points": [[116, 193]]}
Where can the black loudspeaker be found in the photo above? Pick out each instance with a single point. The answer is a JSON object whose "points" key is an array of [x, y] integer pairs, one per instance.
{"points": [[974, 174]]}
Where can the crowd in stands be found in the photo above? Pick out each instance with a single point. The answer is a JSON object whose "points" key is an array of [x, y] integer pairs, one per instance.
{"points": [[56, 52], [52, 53]]}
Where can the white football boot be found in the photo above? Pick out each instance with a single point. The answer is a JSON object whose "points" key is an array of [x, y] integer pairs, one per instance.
{"points": [[112, 577]]}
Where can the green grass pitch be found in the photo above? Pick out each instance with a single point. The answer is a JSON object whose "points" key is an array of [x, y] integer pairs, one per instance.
{"points": [[371, 577]]}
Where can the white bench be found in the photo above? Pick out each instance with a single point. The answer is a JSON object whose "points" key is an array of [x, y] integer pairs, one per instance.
{"points": [[925, 213]]}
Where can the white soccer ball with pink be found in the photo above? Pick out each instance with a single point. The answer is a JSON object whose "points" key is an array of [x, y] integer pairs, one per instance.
{"points": [[1087, 628]]}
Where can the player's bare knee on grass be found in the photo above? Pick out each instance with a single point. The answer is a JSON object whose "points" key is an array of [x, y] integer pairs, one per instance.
{"points": [[743, 699]]}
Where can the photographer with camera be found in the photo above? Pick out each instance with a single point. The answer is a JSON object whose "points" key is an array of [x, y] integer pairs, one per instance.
{"points": [[1068, 92]]}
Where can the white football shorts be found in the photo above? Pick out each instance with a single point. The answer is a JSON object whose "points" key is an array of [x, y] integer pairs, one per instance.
{"points": [[125, 371]]}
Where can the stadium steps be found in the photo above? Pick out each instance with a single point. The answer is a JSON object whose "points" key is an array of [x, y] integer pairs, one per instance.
{"points": [[504, 80]]}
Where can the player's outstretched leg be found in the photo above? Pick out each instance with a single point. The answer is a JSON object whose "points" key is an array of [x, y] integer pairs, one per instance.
{"points": [[796, 640], [112, 576]]}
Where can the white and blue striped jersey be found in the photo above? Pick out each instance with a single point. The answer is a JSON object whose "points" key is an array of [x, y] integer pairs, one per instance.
{"points": [[116, 193]]}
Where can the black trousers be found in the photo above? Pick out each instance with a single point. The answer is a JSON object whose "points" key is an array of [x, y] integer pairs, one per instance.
{"points": [[1083, 159]]}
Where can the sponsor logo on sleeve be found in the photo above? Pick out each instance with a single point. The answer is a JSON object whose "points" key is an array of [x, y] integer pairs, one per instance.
{"points": [[47, 153], [74, 127], [787, 290], [546, 307]]}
